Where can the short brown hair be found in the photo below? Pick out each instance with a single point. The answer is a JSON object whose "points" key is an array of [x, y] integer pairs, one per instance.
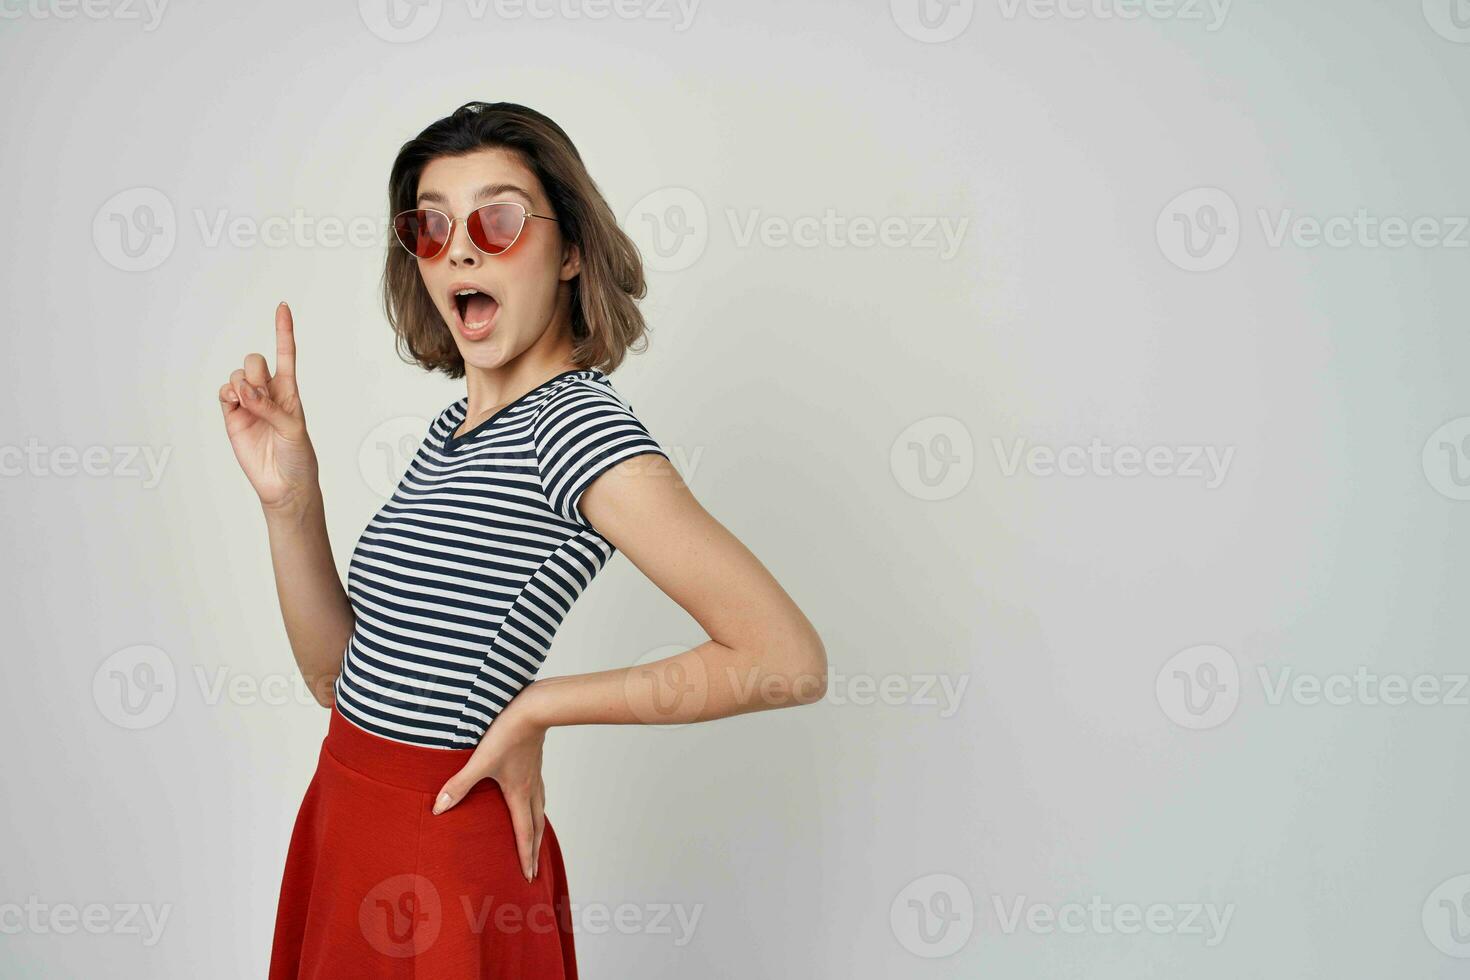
{"points": [[606, 321]]}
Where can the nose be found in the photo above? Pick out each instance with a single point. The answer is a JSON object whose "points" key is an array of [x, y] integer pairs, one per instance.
{"points": [[462, 252]]}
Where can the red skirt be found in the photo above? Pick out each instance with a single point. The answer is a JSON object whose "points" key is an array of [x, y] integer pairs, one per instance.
{"points": [[376, 886]]}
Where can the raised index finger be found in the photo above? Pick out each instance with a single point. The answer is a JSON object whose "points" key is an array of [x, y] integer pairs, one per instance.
{"points": [[285, 343]]}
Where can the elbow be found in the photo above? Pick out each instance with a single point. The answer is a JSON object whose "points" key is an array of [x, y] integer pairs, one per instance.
{"points": [[783, 669], [810, 687], [323, 689], [807, 671]]}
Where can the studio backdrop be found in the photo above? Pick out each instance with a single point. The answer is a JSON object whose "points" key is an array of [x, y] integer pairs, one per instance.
{"points": [[1091, 372]]}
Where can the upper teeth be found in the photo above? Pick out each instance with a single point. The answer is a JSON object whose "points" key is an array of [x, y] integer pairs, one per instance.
{"points": [[466, 292]]}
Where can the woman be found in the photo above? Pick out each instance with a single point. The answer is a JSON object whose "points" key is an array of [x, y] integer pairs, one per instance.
{"points": [[422, 847]]}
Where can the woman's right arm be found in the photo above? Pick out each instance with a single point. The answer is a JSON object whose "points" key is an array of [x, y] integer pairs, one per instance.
{"points": [[267, 431]]}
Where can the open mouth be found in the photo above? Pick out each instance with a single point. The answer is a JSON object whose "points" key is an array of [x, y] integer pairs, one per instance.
{"points": [[476, 308]]}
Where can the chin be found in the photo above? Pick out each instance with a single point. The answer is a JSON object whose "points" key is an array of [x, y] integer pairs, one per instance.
{"points": [[483, 356]]}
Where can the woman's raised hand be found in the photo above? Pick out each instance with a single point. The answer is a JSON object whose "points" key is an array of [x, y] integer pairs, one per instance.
{"points": [[266, 426]]}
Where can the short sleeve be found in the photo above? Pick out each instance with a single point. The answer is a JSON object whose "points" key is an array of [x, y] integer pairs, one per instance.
{"points": [[582, 431]]}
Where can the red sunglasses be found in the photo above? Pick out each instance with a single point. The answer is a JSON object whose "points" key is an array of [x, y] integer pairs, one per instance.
{"points": [[492, 228]]}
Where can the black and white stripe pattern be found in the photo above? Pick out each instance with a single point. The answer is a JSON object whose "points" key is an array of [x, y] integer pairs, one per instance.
{"points": [[461, 580]]}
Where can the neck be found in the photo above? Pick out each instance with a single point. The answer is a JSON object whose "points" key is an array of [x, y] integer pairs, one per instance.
{"points": [[491, 388]]}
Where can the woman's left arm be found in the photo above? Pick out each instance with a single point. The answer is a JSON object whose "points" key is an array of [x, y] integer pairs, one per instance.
{"points": [[762, 651]]}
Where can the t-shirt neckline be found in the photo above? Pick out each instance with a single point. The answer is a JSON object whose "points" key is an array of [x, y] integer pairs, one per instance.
{"points": [[451, 441]]}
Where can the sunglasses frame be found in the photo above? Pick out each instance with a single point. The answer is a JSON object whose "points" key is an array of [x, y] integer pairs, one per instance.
{"points": [[525, 213]]}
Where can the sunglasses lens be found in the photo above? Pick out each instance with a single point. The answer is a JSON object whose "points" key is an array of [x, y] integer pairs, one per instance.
{"points": [[424, 233], [495, 227]]}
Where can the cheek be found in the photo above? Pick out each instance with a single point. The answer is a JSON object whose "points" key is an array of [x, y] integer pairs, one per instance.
{"points": [[533, 278], [533, 264]]}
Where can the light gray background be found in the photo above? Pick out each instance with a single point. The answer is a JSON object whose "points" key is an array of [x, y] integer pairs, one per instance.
{"points": [[848, 407]]}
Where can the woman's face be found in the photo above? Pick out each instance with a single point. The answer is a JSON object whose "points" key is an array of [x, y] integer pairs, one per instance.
{"points": [[525, 291]]}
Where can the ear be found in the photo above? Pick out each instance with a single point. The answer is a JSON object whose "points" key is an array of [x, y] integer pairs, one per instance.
{"points": [[571, 263]]}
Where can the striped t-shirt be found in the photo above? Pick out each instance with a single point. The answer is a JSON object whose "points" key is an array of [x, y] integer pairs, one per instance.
{"points": [[461, 580]]}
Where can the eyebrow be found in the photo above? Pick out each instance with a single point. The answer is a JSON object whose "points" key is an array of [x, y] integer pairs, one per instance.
{"points": [[489, 190]]}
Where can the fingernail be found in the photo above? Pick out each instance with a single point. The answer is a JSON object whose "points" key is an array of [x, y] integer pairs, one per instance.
{"points": [[283, 303], [231, 396], [441, 803], [249, 391], [259, 392]]}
